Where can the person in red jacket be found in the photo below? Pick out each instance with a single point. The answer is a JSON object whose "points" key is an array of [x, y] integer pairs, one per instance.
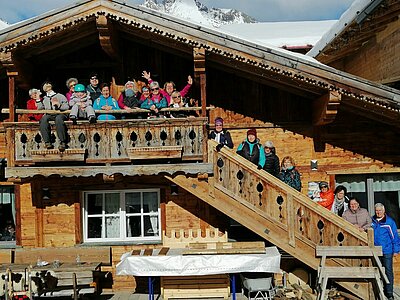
{"points": [[326, 195], [32, 104]]}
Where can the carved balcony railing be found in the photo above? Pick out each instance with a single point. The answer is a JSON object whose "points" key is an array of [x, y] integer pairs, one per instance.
{"points": [[107, 142]]}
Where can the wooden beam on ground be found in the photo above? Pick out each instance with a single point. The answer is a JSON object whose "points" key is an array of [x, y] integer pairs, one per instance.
{"points": [[108, 37], [325, 108]]}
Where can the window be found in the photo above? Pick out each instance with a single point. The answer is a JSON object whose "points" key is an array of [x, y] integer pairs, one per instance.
{"points": [[7, 214], [129, 215], [374, 188]]}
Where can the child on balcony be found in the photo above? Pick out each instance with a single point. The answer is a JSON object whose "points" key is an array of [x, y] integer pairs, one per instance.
{"points": [[81, 105], [154, 102]]}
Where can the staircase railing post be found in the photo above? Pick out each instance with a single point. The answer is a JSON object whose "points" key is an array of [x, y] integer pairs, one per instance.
{"points": [[291, 220]]}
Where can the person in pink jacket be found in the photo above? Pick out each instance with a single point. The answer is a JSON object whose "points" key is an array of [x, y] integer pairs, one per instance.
{"points": [[169, 87]]}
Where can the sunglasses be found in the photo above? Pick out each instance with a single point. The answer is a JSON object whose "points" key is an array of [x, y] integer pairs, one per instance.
{"points": [[155, 89], [93, 78], [71, 85], [175, 97]]}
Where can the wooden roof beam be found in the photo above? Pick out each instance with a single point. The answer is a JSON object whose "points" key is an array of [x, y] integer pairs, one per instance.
{"points": [[325, 108], [108, 37]]}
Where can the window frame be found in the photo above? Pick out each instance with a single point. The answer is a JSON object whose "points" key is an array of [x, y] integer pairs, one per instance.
{"points": [[122, 214], [13, 198]]}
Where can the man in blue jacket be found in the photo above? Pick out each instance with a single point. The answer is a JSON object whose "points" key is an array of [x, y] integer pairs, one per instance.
{"points": [[385, 235]]}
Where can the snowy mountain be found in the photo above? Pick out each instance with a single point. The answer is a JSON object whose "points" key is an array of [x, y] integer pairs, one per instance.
{"points": [[195, 11]]}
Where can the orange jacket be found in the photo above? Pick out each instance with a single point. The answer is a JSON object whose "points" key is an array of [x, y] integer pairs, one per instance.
{"points": [[326, 199]]}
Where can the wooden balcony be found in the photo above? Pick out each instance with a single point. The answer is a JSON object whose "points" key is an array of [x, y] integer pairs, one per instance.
{"points": [[106, 143]]}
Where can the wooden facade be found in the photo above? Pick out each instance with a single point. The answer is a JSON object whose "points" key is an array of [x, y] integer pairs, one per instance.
{"points": [[310, 111], [367, 44]]}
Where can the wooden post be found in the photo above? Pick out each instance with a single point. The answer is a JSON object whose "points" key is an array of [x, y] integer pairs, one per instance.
{"points": [[11, 94], [291, 219], [18, 236], [199, 56], [370, 233]]}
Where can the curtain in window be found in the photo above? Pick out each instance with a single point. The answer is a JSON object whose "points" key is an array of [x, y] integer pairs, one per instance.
{"points": [[7, 197], [386, 183], [150, 202], [353, 183], [112, 222]]}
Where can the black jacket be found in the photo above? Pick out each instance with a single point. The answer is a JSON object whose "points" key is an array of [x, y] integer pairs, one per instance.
{"points": [[272, 164], [225, 138]]}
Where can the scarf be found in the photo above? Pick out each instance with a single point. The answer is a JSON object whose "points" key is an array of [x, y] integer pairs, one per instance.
{"points": [[339, 204]]}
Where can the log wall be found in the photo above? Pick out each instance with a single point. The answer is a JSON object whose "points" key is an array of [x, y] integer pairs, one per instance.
{"points": [[53, 222], [377, 60]]}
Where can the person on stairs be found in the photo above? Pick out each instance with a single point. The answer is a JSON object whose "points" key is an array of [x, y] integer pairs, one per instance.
{"points": [[386, 235], [252, 150]]}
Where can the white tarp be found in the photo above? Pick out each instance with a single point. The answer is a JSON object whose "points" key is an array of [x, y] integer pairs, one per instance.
{"points": [[176, 264]]}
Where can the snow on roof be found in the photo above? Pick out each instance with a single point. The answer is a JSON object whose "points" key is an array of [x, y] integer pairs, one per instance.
{"points": [[281, 34], [3, 24], [345, 20]]}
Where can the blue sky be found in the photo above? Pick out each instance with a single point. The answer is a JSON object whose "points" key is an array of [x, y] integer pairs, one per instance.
{"points": [[13, 11]]}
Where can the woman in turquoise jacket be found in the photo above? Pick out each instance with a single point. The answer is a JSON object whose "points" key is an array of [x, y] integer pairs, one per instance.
{"points": [[105, 102]]}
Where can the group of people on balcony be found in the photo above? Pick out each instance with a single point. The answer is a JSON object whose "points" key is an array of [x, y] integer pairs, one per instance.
{"points": [[264, 156], [84, 100]]}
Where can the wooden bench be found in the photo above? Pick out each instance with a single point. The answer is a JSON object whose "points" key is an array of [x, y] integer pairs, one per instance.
{"points": [[372, 273], [64, 255], [71, 278]]}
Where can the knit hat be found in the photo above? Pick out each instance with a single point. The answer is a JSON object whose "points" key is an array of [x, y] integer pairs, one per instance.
{"points": [[323, 184], [269, 144], [252, 132], [79, 88], [130, 82], [219, 121]]}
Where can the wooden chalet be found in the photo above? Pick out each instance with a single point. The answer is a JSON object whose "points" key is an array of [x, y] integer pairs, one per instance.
{"points": [[122, 183], [365, 42]]}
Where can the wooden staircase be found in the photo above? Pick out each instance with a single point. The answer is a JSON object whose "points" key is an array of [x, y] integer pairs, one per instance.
{"points": [[273, 210]]}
